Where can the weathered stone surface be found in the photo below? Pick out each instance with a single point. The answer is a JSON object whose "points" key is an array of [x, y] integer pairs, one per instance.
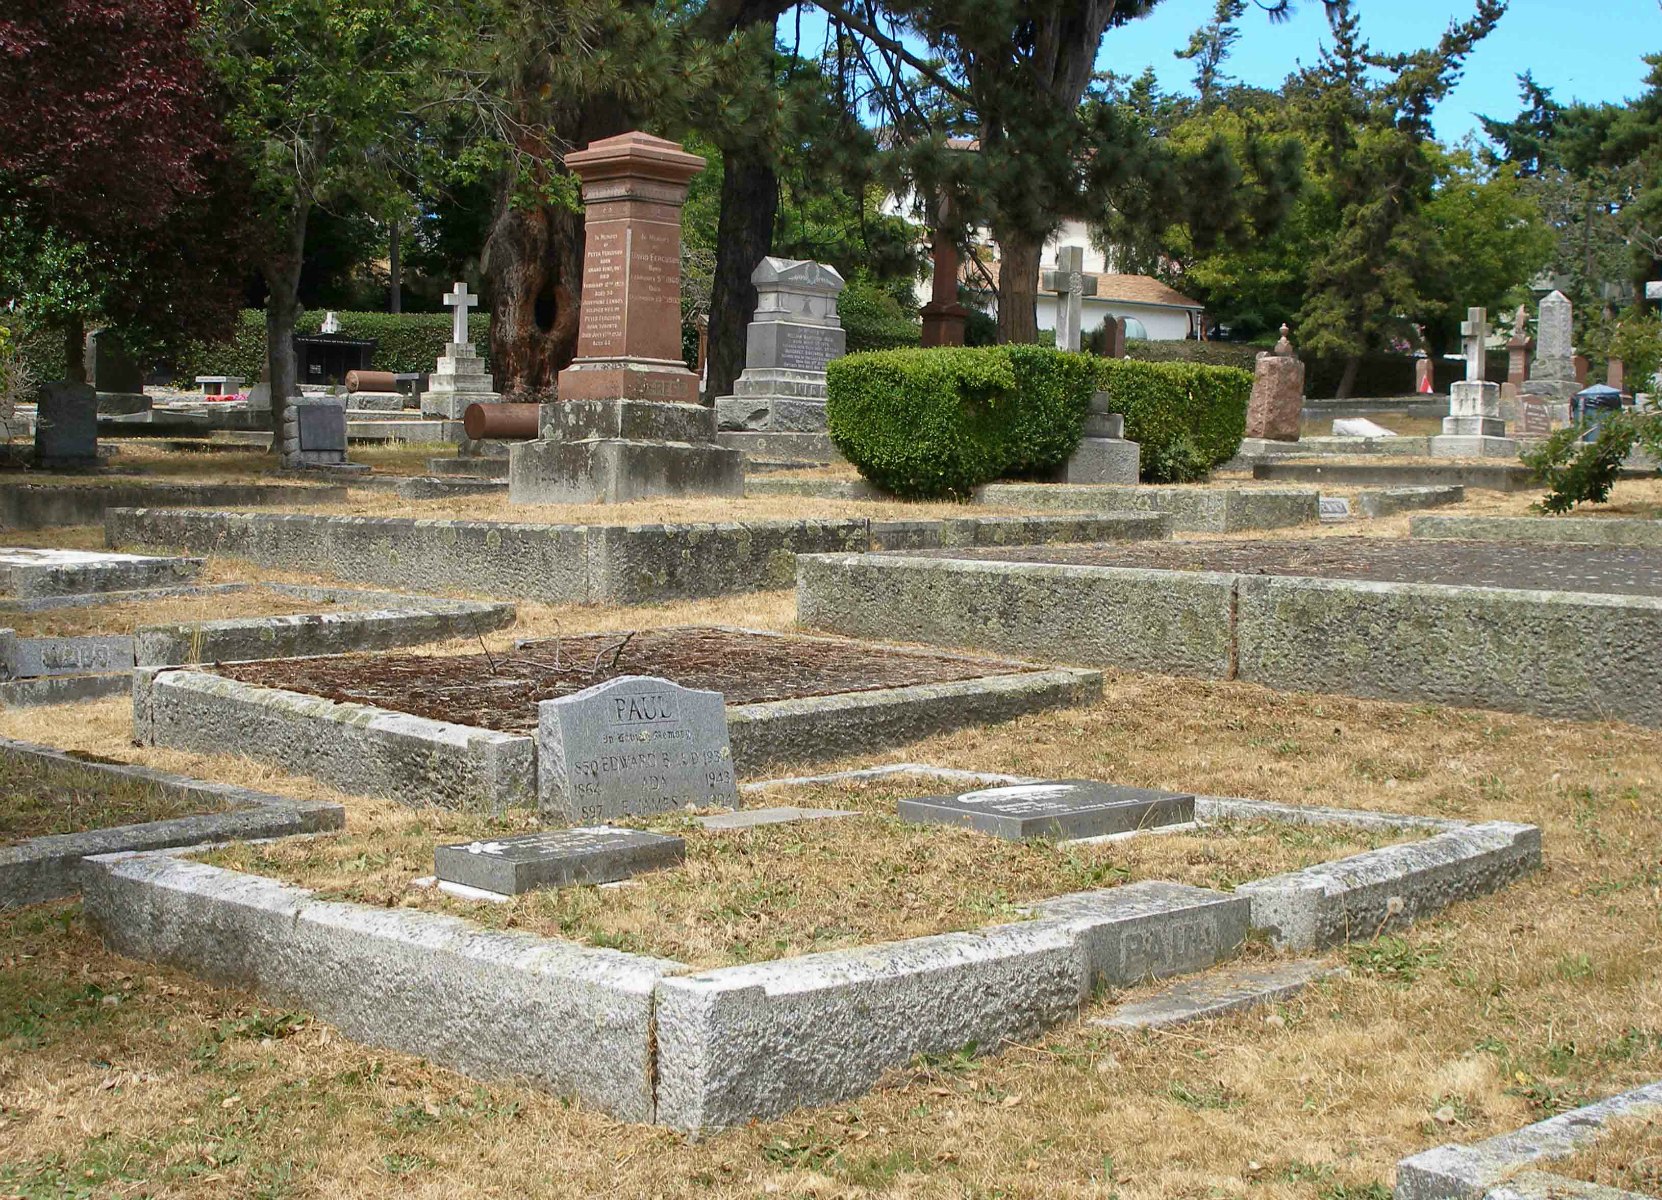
{"points": [[60, 689], [1388, 502], [794, 334], [752, 1042], [1102, 460], [1063, 810], [1192, 509], [1456, 1172], [612, 471], [783, 732], [1473, 428], [1592, 531], [1500, 477], [555, 858], [1277, 398], [31, 572], [1554, 341], [632, 564], [38, 506], [1360, 427], [752, 818], [633, 745], [1218, 993], [1357, 898], [572, 1020], [30, 657], [1552, 653], [66, 426], [46, 868], [1171, 622], [356, 747]]}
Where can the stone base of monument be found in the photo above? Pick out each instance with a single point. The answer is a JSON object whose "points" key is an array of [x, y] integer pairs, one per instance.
{"points": [[122, 404], [610, 451], [461, 380], [1102, 460], [776, 400], [1475, 446], [1474, 428]]}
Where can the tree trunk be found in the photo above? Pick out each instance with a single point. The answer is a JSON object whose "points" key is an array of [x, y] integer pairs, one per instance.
{"points": [[533, 269], [282, 307], [1018, 286], [1347, 380], [75, 350], [395, 271], [749, 203]]}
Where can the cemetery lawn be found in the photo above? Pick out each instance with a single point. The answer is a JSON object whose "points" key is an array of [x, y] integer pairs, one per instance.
{"points": [[778, 891], [171, 610], [1627, 1157], [36, 800]]}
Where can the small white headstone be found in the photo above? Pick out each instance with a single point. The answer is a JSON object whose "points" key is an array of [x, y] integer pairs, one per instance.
{"points": [[1359, 427], [1334, 509]]}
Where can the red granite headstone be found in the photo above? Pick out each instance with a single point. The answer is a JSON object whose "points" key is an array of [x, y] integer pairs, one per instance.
{"points": [[629, 327]]}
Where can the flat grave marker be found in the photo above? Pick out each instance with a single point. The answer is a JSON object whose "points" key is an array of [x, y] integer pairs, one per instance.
{"points": [[1063, 810], [634, 744], [555, 858]]}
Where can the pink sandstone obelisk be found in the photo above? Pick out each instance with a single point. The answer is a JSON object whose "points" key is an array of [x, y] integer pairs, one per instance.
{"points": [[628, 422]]}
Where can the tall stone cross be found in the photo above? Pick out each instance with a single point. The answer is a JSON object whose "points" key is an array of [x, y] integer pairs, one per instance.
{"points": [[459, 302], [1474, 335], [1071, 286]]}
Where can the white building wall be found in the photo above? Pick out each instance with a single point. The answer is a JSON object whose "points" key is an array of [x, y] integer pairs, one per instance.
{"points": [[1163, 324]]}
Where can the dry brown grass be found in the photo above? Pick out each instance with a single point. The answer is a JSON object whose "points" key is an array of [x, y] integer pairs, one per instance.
{"points": [[172, 610], [37, 800], [1627, 1155], [1501, 1010], [783, 890]]}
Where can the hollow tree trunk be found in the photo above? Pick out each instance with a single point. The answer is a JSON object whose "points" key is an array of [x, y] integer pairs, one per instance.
{"points": [[282, 307], [533, 269], [1018, 286], [749, 204]]}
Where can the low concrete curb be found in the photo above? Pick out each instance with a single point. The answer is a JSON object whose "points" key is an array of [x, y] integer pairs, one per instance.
{"points": [[1359, 897], [1499, 477], [1173, 622], [1588, 531], [356, 747], [1218, 993], [751, 1042], [1388, 502], [61, 689], [571, 1019], [1456, 1172], [1192, 509], [40, 506], [820, 727], [46, 868]]}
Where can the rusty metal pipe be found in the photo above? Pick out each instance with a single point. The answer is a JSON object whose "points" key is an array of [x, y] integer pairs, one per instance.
{"points": [[501, 422], [370, 381]]}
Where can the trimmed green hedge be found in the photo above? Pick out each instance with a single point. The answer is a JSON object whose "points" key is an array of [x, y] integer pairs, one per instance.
{"points": [[874, 320], [941, 422], [1187, 418], [405, 342]]}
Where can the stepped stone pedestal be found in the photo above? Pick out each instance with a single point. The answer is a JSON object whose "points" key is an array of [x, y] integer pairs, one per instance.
{"points": [[1473, 428], [1103, 455], [628, 423], [794, 335], [461, 380]]}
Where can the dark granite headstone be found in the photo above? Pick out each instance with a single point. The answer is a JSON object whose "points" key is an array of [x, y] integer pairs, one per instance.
{"points": [[633, 744], [322, 428], [1064, 810], [109, 366], [555, 858], [66, 429]]}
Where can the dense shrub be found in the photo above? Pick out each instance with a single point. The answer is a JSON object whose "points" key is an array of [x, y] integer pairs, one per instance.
{"points": [[404, 342], [874, 319], [941, 422], [1577, 471], [1187, 418]]}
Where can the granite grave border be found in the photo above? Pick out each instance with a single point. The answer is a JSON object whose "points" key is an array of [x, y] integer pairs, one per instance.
{"points": [[1586, 531], [705, 1050]]}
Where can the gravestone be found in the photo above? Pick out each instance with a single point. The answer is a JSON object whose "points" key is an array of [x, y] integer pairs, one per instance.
{"points": [[1474, 428], [1425, 377], [1113, 337], [114, 375], [1615, 373], [1277, 394], [1103, 454], [555, 858], [460, 378], [1359, 427], [1062, 810], [220, 385], [794, 334], [628, 423], [1517, 365], [1333, 510], [630, 746], [314, 432], [1552, 376], [66, 426], [1071, 285], [1534, 417]]}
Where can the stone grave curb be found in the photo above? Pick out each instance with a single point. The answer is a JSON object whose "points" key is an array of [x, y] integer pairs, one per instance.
{"points": [[356, 747], [48, 580], [1468, 1172], [1358, 897], [1164, 621], [375, 751], [752, 1042], [1558, 654], [1555, 654], [42, 506], [572, 1019], [822, 727], [1497, 476], [1588, 531], [61, 689], [1192, 509], [1388, 502], [49, 867]]}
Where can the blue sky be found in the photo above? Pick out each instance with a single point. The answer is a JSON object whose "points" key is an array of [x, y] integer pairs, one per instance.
{"points": [[1584, 49]]}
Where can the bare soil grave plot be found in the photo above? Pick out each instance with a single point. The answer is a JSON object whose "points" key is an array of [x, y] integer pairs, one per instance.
{"points": [[779, 891], [501, 692], [1626, 571]]}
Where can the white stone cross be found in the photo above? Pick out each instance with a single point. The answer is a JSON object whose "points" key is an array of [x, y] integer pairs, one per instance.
{"points": [[459, 302], [1474, 334], [1071, 285]]}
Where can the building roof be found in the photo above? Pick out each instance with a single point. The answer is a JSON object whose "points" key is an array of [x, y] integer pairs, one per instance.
{"points": [[1125, 289]]}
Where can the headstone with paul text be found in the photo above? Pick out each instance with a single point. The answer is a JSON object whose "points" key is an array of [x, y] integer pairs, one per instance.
{"points": [[555, 858], [1062, 810], [633, 745]]}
